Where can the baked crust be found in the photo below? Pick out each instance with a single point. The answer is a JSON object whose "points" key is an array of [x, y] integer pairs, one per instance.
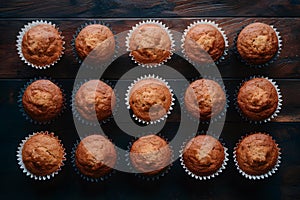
{"points": [[95, 156], [42, 45], [257, 154], [257, 99], [204, 98]]}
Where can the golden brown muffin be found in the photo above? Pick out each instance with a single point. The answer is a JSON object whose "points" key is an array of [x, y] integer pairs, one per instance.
{"points": [[257, 154], [257, 43], [206, 98], [43, 100], [203, 155], [150, 99], [95, 156], [257, 99], [95, 97], [95, 37], [42, 45], [203, 43], [43, 154], [150, 44], [150, 154]]}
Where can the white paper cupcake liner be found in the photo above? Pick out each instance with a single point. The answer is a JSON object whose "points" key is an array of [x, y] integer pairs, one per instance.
{"points": [[20, 39], [219, 171], [75, 54], [81, 119], [22, 165], [274, 115], [163, 26], [209, 22], [213, 119], [20, 104], [146, 177], [275, 57], [87, 178], [127, 97], [256, 177]]}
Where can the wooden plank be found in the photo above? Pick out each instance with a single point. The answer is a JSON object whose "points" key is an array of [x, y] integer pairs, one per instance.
{"points": [[153, 8], [286, 66], [290, 91]]}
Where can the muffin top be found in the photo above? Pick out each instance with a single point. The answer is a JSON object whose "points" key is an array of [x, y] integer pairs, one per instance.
{"points": [[150, 44], [206, 98], [95, 156], [150, 154], [95, 37], [257, 154], [42, 154], [42, 45], [203, 155], [257, 43], [95, 97], [257, 99], [42, 100], [150, 99], [202, 40]]}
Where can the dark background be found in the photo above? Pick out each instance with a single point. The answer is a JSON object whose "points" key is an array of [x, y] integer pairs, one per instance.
{"points": [[231, 15]]}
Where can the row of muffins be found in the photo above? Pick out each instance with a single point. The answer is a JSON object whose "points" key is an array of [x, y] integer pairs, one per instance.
{"points": [[150, 43], [151, 99], [42, 155]]}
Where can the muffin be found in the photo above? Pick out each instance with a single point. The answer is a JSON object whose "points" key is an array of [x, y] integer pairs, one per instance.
{"points": [[95, 37], [43, 154], [257, 154], [42, 100], [257, 99], [95, 156], [204, 99], [150, 155], [203, 43], [95, 100], [150, 99], [42, 45], [203, 155], [149, 44], [257, 43]]}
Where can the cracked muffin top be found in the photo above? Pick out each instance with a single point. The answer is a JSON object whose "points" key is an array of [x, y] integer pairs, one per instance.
{"points": [[257, 43], [43, 154], [257, 99], [204, 99], [150, 44], [203, 155], [150, 154], [203, 43], [42, 45], [257, 154], [150, 99], [95, 100], [43, 100], [95, 156], [95, 40]]}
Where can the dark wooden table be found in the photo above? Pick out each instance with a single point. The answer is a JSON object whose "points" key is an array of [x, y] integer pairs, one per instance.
{"points": [[121, 15]]}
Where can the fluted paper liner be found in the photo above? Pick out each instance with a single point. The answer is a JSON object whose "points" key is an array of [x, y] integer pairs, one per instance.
{"points": [[208, 22], [163, 26], [274, 115], [22, 166], [142, 176], [20, 104], [275, 57], [220, 170], [144, 78], [256, 177], [20, 39]]}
